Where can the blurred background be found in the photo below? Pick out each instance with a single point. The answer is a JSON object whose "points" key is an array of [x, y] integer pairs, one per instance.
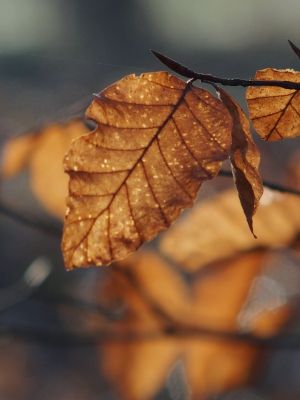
{"points": [[53, 56]]}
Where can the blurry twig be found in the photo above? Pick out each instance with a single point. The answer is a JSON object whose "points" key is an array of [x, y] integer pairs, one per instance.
{"points": [[34, 276], [56, 230], [267, 184], [71, 338], [30, 221], [69, 300]]}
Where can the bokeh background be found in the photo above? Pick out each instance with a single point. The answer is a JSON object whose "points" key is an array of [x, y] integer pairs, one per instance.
{"points": [[53, 56]]}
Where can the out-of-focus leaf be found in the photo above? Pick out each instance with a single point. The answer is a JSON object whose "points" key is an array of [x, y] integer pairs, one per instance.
{"points": [[215, 228], [274, 111], [139, 367], [245, 159], [157, 140], [16, 154], [43, 153]]}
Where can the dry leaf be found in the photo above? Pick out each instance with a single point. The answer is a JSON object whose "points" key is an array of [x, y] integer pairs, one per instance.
{"points": [[274, 111], [139, 368], [43, 153], [245, 159], [215, 228], [157, 140]]}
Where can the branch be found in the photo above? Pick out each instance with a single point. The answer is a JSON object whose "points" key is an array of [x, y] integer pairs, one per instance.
{"points": [[60, 337], [208, 78], [32, 222], [55, 230], [267, 184]]}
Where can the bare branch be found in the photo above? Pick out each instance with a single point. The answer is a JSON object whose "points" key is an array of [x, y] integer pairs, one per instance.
{"points": [[207, 78]]}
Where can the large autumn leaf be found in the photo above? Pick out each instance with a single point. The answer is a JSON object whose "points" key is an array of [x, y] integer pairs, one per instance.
{"points": [[274, 111], [164, 302], [158, 138], [43, 152], [245, 159], [277, 223]]}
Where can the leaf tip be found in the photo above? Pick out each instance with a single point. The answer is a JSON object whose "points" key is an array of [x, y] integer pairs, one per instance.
{"points": [[295, 48], [174, 65]]}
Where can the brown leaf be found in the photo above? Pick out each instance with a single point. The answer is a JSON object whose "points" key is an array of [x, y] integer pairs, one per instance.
{"points": [[274, 111], [43, 153], [277, 222], [157, 140], [139, 368], [245, 159]]}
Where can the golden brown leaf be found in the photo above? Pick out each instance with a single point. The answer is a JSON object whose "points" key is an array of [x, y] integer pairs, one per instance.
{"points": [[157, 140], [16, 154], [215, 229], [245, 159], [274, 111], [139, 368], [43, 153]]}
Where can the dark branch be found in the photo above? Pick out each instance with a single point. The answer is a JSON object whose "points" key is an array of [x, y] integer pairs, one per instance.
{"points": [[32, 222], [69, 338], [55, 230], [267, 184], [207, 78]]}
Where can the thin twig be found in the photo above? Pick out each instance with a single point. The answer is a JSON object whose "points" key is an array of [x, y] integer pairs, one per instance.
{"points": [[32, 222], [267, 184], [208, 78], [60, 337], [55, 230]]}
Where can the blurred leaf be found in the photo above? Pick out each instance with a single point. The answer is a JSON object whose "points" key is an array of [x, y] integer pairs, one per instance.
{"points": [[43, 153], [157, 140], [16, 154], [139, 367], [215, 229], [274, 111]]}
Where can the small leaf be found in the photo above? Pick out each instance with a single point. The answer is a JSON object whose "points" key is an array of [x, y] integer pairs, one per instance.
{"points": [[274, 111], [295, 48], [157, 140], [245, 159]]}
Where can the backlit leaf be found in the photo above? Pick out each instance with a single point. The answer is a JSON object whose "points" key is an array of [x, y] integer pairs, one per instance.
{"points": [[245, 159], [157, 140], [274, 111]]}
